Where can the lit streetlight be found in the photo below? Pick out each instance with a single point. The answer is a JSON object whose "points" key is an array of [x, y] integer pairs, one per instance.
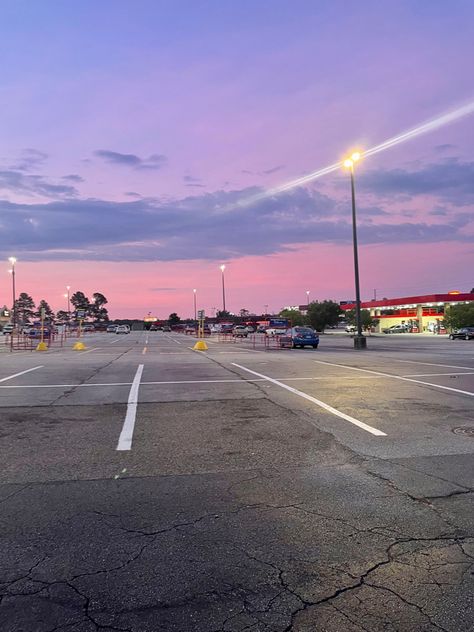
{"points": [[360, 342], [12, 261], [223, 287], [195, 310], [307, 297]]}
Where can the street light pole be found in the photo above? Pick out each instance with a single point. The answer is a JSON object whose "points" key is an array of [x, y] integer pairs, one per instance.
{"points": [[307, 297], [12, 261], [360, 342], [195, 310], [223, 287], [68, 287]]}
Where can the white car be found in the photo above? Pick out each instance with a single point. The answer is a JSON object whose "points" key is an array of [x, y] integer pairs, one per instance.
{"points": [[276, 331], [122, 329]]}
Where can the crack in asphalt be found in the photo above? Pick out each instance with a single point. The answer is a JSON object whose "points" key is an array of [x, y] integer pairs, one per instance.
{"points": [[360, 581], [94, 372]]}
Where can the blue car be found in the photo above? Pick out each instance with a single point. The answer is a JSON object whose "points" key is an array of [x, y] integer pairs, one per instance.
{"points": [[300, 337]]}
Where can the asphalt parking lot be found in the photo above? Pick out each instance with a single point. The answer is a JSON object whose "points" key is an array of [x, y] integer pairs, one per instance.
{"points": [[148, 487]]}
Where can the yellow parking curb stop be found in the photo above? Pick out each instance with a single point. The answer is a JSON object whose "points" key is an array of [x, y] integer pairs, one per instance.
{"points": [[41, 346], [200, 346], [79, 346]]}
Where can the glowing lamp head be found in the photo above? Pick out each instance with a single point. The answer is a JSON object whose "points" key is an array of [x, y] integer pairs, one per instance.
{"points": [[194, 291], [348, 163], [222, 267], [355, 156], [68, 287], [65, 295], [12, 260]]}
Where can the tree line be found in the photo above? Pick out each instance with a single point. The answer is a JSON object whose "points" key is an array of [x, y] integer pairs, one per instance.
{"points": [[26, 310]]}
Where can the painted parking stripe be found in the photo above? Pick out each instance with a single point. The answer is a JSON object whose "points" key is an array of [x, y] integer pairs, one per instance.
{"points": [[447, 366], [126, 436], [10, 377], [398, 377], [318, 402], [438, 374], [173, 382]]}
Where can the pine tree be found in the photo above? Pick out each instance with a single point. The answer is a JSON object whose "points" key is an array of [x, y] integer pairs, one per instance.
{"points": [[24, 309], [48, 312]]}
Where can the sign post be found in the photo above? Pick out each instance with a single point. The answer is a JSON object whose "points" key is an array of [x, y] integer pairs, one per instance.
{"points": [[79, 345], [42, 346], [200, 344]]}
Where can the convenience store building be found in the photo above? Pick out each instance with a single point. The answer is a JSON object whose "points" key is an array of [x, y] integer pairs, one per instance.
{"points": [[421, 313]]}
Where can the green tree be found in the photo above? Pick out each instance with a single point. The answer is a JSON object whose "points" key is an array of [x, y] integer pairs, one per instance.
{"points": [[62, 316], [459, 316], [80, 301], [48, 312], [173, 319], [367, 320], [97, 309], [294, 316], [24, 309], [223, 314], [324, 314], [244, 313]]}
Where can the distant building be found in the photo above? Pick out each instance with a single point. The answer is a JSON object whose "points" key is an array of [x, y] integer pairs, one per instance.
{"points": [[420, 313]]}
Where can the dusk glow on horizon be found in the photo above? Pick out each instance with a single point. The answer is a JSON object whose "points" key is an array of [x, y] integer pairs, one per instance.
{"points": [[181, 139]]}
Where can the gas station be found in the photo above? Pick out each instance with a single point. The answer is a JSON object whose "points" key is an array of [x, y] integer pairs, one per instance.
{"points": [[422, 314]]}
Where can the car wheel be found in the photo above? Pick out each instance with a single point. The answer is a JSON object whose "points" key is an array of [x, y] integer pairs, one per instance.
{"points": [[451, 337], [466, 337], [315, 346]]}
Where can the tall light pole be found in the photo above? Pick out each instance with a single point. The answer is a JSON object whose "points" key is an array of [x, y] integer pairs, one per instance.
{"points": [[360, 342], [195, 310], [307, 297], [223, 287], [12, 261], [68, 287]]}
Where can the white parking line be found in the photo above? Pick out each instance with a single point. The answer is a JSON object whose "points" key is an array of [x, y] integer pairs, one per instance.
{"points": [[318, 402], [398, 377], [173, 340], [447, 366], [437, 374], [171, 382], [90, 351], [10, 377], [126, 436]]}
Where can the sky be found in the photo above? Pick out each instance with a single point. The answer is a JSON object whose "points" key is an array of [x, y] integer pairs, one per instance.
{"points": [[137, 139]]}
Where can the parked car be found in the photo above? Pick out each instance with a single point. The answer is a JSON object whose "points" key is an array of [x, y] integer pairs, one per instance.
{"points": [[166, 328], [35, 332], [111, 329], [276, 331], [465, 333], [396, 329], [300, 337], [88, 327], [240, 331], [250, 329], [122, 329], [7, 329], [350, 329], [190, 329]]}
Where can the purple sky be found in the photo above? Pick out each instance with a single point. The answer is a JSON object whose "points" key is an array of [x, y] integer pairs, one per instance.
{"points": [[130, 131]]}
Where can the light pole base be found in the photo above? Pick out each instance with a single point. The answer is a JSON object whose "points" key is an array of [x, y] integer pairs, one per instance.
{"points": [[360, 342]]}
